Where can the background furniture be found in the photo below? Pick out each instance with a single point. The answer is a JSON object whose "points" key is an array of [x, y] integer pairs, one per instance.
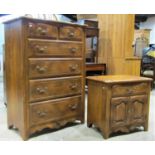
{"points": [[92, 34], [148, 67], [132, 66], [95, 69], [115, 44], [118, 103], [140, 44], [142, 33], [141, 40], [44, 74], [92, 65]]}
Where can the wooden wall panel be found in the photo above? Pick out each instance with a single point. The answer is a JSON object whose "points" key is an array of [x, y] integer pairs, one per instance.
{"points": [[129, 35], [132, 66], [113, 68], [115, 41]]}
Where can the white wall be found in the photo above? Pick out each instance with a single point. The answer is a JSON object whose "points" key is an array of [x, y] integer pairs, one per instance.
{"points": [[149, 24]]}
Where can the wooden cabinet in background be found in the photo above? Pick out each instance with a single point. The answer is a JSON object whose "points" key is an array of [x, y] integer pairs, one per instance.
{"points": [[92, 34], [118, 103], [141, 41], [142, 33], [44, 74], [116, 37]]}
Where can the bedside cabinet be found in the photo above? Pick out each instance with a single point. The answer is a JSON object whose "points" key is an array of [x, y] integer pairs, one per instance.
{"points": [[44, 74], [118, 103]]}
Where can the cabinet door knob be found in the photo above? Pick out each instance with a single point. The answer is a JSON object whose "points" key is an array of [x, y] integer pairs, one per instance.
{"points": [[58, 124], [41, 69], [129, 110]]}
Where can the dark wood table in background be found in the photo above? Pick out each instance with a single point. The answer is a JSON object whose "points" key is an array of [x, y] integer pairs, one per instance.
{"points": [[95, 69]]}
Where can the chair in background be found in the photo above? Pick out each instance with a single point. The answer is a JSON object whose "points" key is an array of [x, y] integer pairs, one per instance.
{"points": [[148, 67]]}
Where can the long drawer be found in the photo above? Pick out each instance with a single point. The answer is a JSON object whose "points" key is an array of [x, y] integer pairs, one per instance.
{"points": [[46, 67], [129, 89], [49, 48], [54, 88], [54, 110]]}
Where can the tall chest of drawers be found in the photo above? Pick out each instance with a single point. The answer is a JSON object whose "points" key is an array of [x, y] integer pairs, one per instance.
{"points": [[43, 74]]}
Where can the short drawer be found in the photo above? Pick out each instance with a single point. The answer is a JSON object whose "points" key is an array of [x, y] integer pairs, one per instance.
{"points": [[71, 33], [54, 88], [41, 30], [54, 110], [129, 89], [39, 48], [52, 67]]}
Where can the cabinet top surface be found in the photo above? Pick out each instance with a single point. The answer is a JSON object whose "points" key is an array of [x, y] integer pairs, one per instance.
{"points": [[118, 78], [43, 21]]}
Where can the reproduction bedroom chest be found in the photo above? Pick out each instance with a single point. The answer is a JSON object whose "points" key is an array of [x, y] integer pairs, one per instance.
{"points": [[43, 74], [118, 103]]}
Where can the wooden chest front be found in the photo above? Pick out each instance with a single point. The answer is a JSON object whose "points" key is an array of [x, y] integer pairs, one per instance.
{"points": [[44, 74]]}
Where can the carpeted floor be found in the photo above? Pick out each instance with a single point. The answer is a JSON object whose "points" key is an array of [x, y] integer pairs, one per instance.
{"points": [[76, 132]]}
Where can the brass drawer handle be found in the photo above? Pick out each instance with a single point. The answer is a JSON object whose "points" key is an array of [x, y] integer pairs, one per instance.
{"points": [[71, 34], [41, 49], [41, 30], [41, 69], [30, 25], [41, 114], [129, 91], [74, 87], [44, 32], [73, 106], [73, 67], [41, 90], [73, 50]]}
